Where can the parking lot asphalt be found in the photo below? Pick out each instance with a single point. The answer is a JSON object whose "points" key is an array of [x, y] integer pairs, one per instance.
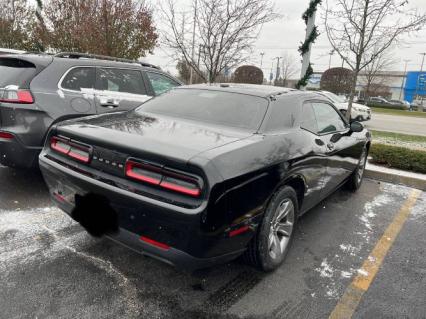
{"points": [[50, 268]]}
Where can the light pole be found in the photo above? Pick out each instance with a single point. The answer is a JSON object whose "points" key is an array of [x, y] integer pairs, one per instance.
{"points": [[261, 58], [404, 78], [277, 73], [329, 61], [193, 44]]}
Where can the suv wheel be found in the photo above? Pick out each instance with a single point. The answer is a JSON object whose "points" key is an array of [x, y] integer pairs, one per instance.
{"points": [[273, 239]]}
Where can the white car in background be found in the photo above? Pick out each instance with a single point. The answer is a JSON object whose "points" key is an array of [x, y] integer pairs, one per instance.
{"points": [[359, 112]]}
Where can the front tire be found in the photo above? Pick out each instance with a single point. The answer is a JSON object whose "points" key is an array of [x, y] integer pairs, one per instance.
{"points": [[268, 249], [355, 181]]}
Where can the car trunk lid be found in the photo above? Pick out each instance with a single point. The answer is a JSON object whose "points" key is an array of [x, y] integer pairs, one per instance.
{"points": [[150, 137]]}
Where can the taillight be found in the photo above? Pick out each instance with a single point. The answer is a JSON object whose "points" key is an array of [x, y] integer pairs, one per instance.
{"points": [[164, 178], [143, 172], [71, 149], [60, 145], [17, 96], [80, 153], [180, 186], [6, 135]]}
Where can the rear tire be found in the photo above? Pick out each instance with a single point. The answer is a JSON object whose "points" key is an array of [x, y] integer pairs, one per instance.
{"points": [[355, 180], [272, 241]]}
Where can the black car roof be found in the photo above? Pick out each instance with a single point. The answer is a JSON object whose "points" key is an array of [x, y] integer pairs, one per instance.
{"points": [[250, 89]]}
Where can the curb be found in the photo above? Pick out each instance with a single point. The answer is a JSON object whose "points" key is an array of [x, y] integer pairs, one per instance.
{"points": [[395, 176]]}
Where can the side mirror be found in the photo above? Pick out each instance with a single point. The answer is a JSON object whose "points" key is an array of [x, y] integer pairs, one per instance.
{"points": [[356, 127]]}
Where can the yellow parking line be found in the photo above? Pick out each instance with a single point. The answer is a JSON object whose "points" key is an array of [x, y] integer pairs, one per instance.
{"points": [[360, 284]]}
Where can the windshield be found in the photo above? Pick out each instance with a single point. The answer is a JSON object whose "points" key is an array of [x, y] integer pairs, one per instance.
{"points": [[334, 98], [208, 106]]}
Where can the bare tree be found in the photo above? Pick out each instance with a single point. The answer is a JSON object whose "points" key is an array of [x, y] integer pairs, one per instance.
{"points": [[225, 31], [361, 30], [289, 67], [373, 78]]}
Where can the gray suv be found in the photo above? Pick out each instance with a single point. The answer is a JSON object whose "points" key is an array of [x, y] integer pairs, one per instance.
{"points": [[38, 90]]}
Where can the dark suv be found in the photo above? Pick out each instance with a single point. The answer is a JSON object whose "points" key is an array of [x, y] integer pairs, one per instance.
{"points": [[38, 90]]}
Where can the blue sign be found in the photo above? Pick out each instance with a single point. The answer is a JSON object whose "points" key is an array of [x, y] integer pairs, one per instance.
{"points": [[414, 83], [315, 79], [422, 81], [271, 76]]}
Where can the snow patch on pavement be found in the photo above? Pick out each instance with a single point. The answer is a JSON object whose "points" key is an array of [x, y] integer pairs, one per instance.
{"points": [[41, 235], [419, 210], [25, 239], [370, 209], [335, 270], [325, 270], [362, 272], [349, 249]]}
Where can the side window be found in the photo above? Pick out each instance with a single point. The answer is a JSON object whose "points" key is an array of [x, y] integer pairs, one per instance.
{"points": [[308, 121], [328, 120], [161, 83], [121, 80], [79, 78]]}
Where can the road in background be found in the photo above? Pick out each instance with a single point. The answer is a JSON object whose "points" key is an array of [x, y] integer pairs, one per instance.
{"points": [[51, 268], [397, 124]]}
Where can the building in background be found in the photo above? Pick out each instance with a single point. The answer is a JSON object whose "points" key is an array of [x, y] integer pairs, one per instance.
{"points": [[415, 85], [395, 85]]}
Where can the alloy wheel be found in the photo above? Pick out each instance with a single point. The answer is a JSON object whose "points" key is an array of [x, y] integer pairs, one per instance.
{"points": [[281, 229], [361, 165]]}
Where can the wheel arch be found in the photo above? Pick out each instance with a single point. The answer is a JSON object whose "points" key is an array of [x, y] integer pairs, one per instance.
{"points": [[298, 183]]}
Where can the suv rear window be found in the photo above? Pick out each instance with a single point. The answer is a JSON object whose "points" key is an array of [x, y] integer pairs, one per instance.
{"points": [[16, 72], [208, 106]]}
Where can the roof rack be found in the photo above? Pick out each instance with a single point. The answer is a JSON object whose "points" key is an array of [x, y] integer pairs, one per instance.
{"points": [[149, 65], [77, 55]]}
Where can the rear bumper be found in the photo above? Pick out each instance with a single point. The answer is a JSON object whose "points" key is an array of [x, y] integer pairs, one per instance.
{"points": [[190, 247], [172, 256], [14, 153]]}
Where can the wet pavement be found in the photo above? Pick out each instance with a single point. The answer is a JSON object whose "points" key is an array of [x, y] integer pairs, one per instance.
{"points": [[50, 268]]}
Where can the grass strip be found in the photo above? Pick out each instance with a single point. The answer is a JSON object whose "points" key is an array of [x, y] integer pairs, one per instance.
{"points": [[399, 157]]}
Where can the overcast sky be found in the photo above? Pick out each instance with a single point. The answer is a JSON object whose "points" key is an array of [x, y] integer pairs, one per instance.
{"points": [[285, 34]]}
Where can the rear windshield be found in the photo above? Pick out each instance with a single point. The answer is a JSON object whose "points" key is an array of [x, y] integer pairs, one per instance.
{"points": [[216, 107], [16, 72]]}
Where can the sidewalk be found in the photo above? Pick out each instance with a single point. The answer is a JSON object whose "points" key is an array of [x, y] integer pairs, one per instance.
{"points": [[396, 176]]}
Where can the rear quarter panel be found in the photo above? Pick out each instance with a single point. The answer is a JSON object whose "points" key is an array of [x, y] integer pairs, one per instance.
{"points": [[253, 170]]}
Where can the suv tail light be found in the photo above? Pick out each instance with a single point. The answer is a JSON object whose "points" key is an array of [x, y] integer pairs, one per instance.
{"points": [[167, 179], [6, 135], [17, 96], [71, 149]]}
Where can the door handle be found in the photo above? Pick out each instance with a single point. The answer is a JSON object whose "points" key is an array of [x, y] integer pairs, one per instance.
{"points": [[330, 146], [110, 103], [319, 142]]}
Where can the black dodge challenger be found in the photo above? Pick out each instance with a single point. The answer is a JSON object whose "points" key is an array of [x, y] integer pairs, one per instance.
{"points": [[203, 174]]}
